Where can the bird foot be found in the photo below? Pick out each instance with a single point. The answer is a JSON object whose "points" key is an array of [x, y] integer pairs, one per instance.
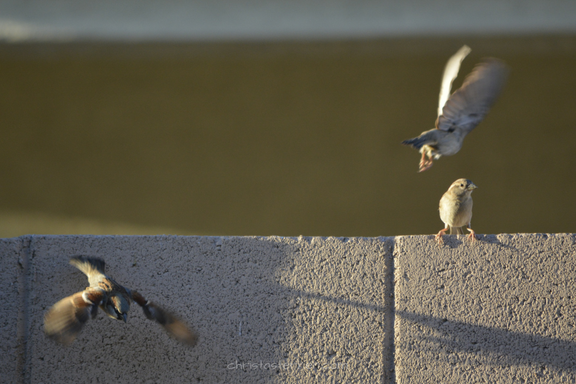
{"points": [[439, 240], [438, 237], [425, 164], [472, 235]]}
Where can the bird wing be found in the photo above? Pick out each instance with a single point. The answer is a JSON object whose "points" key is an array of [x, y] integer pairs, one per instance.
{"points": [[171, 323], [467, 106], [66, 318], [92, 267], [450, 73]]}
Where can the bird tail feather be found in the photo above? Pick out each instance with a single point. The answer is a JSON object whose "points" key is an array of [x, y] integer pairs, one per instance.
{"points": [[88, 264], [456, 231], [416, 142]]}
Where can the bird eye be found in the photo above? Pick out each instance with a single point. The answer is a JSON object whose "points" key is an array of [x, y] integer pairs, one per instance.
{"points": [[462, 185]]}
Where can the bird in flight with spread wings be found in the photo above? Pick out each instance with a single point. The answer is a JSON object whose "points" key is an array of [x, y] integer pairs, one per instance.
{"points": [[66, 318], [461, 112]]}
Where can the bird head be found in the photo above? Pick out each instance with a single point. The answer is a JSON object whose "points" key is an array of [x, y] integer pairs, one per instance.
{"points": [[117, 307], [462, 187]]}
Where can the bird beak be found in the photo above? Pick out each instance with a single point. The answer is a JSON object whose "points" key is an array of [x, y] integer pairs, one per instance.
{"points": [[471, 186], [124, 317]]}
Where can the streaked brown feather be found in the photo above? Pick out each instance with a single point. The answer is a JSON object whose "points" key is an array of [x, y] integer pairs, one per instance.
{"points": [[66, 318]]}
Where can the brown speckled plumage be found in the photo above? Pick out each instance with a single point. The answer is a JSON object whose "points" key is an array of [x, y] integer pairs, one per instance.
{"points": [[456, 208], [66, 318]]}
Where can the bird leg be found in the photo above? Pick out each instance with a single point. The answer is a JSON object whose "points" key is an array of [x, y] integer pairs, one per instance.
{"points": [[438, 236], [425, 163], [472, 235]]}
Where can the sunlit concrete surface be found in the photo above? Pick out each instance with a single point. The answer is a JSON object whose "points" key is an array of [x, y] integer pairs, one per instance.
{"points": [[302, 309], [65, 20], [498, 311]]}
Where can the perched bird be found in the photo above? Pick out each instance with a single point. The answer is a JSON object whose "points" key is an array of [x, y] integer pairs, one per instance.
{"points": [[456, 209], [65, 319], [461, 112]]}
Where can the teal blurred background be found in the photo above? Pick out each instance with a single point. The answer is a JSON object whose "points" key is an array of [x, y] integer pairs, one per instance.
{"points": [[278, 138]]}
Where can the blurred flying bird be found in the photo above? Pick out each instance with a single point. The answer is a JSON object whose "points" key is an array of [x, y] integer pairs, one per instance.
{"points": [[461, 112], [65, 319], [456, 209]]}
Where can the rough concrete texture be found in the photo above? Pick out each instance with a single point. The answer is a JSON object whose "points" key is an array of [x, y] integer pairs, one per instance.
{"points": [[499, 311], [300, 310], [267, 309], [13, 317]]}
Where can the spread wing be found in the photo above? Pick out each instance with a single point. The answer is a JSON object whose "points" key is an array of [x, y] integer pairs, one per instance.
{"points": [[66, 318], [171, 323], [450, 73], [467, 106]]}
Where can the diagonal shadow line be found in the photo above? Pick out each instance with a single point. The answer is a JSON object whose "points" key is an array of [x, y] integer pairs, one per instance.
{"points": [[387, 310], [337, 300], [385, 306], [494, 345]]}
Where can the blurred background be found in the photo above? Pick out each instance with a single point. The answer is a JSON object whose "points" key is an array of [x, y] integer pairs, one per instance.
{"points": [[277, 117]]}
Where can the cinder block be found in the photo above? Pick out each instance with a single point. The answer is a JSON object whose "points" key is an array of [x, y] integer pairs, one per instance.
{"points": [[13, 313], [339, 316], [497, 311], [268, 309]]}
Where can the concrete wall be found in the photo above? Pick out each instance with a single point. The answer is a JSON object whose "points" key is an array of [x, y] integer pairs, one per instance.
{"points": [[306, 309]]}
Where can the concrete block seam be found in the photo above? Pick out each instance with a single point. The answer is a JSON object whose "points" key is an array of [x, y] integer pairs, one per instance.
{"points": [[389, 302], [27, 282], [24, 310]]}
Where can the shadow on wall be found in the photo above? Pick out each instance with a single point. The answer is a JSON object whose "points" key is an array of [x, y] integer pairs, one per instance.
{"points": [[295, 310], [498, 310], [274, 308], [463, 346]]}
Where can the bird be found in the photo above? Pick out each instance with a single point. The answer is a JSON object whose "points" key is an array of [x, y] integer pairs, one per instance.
{"points": [[65, 319], [456, 209], [461, 112]]}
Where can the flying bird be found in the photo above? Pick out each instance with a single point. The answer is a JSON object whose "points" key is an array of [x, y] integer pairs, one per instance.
{"points": [[66, 318], [461, 112], [456, 209]]}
